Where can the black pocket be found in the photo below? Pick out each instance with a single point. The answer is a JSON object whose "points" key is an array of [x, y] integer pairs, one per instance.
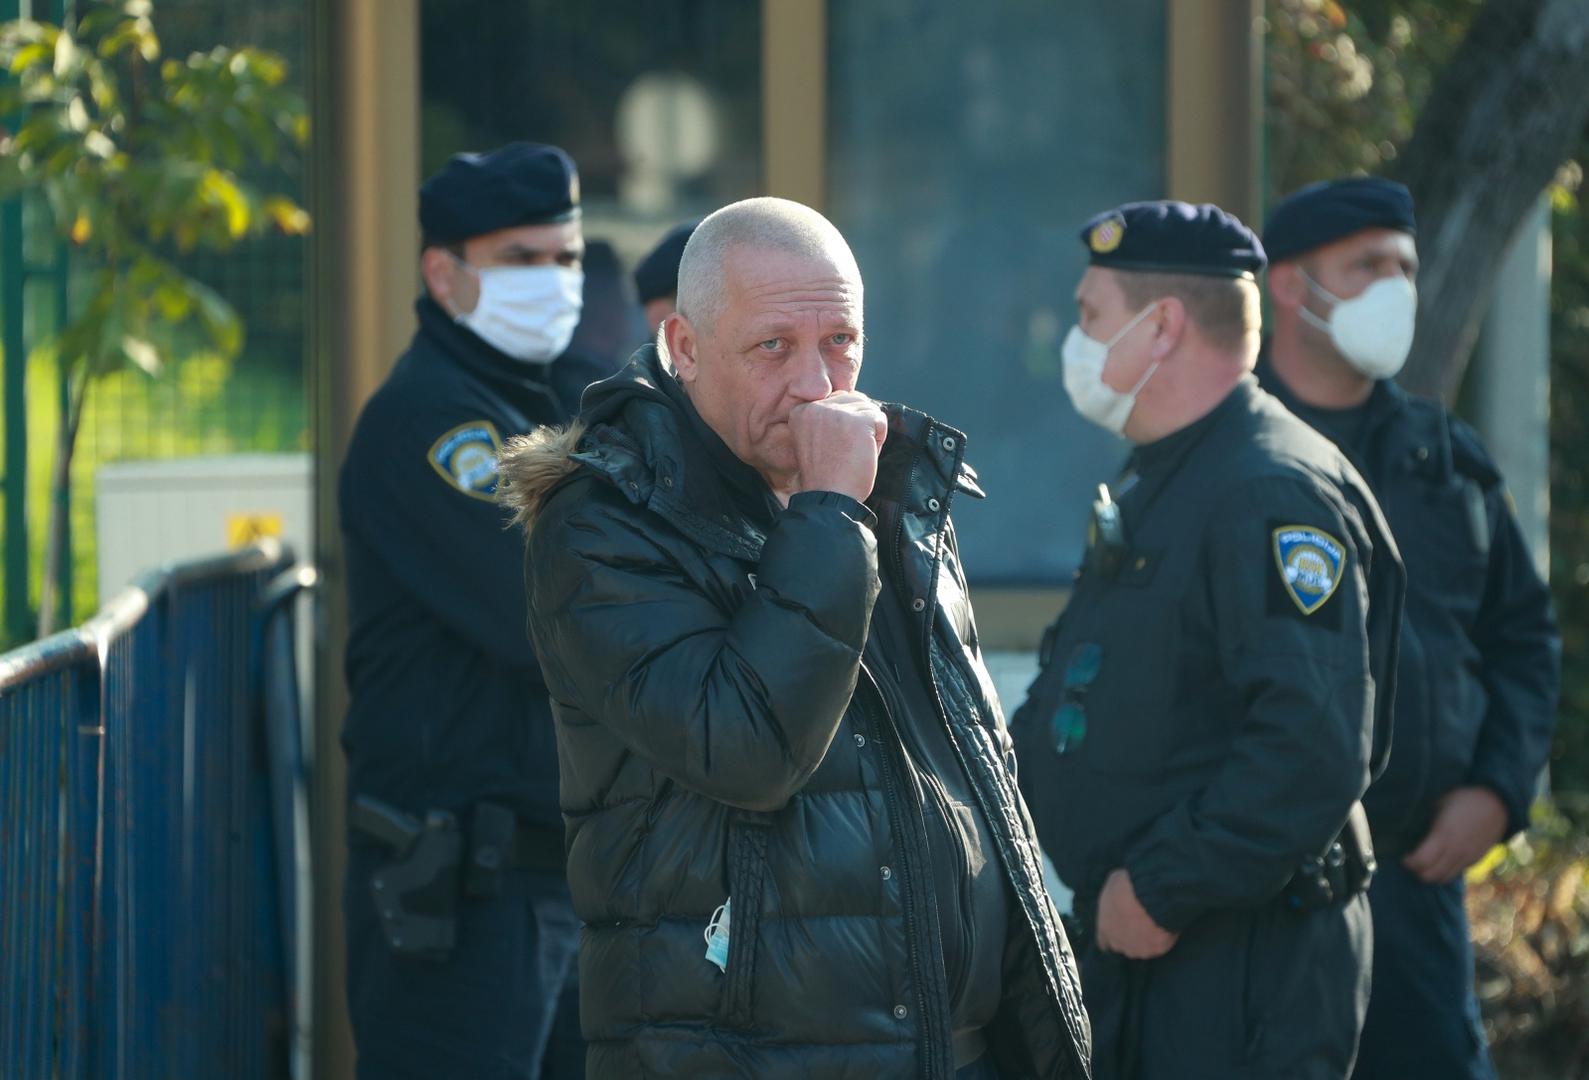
{"points": [[1250, 999], [1447, 554], [747, 877], [1129, 711]]}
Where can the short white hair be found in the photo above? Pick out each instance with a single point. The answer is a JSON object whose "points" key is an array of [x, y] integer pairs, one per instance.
{"points": [[764, 224]]}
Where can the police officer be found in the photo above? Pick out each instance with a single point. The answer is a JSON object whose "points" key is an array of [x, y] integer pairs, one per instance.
{"points": [[656, 277], [1476, 693], [1210, 703], [460, 929]]}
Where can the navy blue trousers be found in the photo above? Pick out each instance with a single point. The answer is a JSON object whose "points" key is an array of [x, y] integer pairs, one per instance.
{"points": [[1255, 994], [1423, 1016], [503, 1007]]}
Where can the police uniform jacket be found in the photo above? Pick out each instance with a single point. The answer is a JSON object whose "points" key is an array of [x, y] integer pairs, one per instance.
{"points": [[721, 737], [1231, 667], [447, 703], [1479, 671]]}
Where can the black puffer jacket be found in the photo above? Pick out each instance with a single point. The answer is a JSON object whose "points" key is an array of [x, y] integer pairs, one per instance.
{"points": [[719, 737]]}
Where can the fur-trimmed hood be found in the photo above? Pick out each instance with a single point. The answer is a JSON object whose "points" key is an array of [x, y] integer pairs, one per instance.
{"points": [[631, 433], [530, 466]]}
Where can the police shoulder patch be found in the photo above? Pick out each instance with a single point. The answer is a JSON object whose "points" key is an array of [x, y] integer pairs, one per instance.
{"points": [[1310, 562], [466, 457]]}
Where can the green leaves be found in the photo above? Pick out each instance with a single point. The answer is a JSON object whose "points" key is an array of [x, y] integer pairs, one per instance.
{"points": [[68, 59], [136, 34], [224, 201], [139, 157], [29, 56], [143, 311], [219, 320], [141, 353], [289, 217], [1345, 81]]}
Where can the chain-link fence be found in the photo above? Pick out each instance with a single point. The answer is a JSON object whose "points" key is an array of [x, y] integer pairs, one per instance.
{"points": [[199, 404]]}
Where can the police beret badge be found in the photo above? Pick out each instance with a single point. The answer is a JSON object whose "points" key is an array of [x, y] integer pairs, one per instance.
{"points": [[466, 457], [1310, 561], [1168, 237], [1107, 235]]}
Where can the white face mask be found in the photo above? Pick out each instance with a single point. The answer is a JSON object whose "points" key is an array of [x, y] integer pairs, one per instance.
{"points": [[528, 312], [1084, 358], [1373, 330]]}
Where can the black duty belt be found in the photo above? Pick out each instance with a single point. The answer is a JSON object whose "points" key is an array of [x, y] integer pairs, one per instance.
{"points": [[501, 840], [434, 861], [1340, 872], [1334, 876], [537, 847]]}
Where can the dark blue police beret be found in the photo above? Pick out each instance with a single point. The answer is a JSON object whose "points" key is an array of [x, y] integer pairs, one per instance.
{"points": [[1329, 210], [519, 184], [1170, 237], [658, 273]]}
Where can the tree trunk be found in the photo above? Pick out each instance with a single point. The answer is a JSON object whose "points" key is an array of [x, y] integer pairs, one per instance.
{"points": [[1505, 113], [55, 530]]}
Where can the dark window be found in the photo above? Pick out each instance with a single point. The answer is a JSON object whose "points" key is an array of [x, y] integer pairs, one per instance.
{"points": [[659, 104], [967, 143]]}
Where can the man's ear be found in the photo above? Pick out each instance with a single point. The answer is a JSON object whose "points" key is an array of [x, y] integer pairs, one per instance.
{"points": [[1286, 288], [1170, 326], [437, 268], [683, 343]]}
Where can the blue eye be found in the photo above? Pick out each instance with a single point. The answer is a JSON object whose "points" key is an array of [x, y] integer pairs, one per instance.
{"points": [[770, 345], [842, 339]]}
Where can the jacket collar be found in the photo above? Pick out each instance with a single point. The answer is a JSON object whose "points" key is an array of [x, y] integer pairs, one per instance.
{"points": [[744, 488], [646, 440], [466, 349], [1162, 453], [1386, 401], [1389, 418]]}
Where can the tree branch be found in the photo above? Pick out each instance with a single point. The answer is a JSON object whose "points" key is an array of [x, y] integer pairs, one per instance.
{"points": [[1503, 116]]}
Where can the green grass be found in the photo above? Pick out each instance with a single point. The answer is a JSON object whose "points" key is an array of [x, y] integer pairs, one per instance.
{"points": [[198, 405]]}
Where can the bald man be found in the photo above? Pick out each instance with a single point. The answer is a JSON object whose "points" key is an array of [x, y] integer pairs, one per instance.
{"points": [[794, 835]]}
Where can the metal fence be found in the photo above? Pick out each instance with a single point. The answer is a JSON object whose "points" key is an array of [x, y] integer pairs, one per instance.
{"points": [[152, 821]]}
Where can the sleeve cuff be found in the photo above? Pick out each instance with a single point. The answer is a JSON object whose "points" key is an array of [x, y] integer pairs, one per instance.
{"points": [[1162, 906], [1517, 809], [856, 511]]}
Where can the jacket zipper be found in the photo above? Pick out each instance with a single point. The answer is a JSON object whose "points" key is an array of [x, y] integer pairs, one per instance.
{"points": [[934, 1024], [1006, 856], [1067, 1008], [958, 982]]}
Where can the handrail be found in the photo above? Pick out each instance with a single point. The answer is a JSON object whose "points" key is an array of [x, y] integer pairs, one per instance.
{"points": [[153, 783], [83, 644], [288, 584], [65, 649]]}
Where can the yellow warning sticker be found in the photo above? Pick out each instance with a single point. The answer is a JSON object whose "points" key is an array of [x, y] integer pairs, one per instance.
{"points": [[245, 529]]}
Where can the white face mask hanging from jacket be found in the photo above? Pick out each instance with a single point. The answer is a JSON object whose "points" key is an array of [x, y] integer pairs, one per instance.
{"points": [[1096, 400], [527, 312], [1373, 330]]}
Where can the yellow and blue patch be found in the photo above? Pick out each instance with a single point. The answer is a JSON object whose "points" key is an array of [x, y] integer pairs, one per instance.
{"points": [[466, 457], [1311, 562]]}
